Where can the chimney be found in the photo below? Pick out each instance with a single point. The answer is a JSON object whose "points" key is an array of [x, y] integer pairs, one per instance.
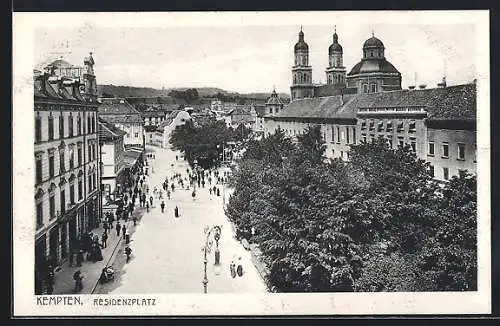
{"points": [[422, 86]]}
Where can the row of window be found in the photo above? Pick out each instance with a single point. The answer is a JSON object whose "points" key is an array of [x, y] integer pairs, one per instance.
{"points": [[80, 126], [92, 184], [372, 88], [338, 134], [400, 143], [301, 78], [387, 126], [337, 79], [92, 156], [445, 150]]}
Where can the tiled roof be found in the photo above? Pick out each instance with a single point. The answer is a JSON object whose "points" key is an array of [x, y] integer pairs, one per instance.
{"points": [[135, 119], [116, 106], [154, 113], [449, 103], [109, 131], [260, 110], [57, 88]]}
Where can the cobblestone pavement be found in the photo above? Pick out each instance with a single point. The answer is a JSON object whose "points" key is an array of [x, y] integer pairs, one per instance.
{"points": [[167, 254]]}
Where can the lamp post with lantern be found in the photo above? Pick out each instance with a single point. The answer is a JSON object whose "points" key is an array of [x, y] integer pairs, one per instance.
{"points": [[207, 247]]}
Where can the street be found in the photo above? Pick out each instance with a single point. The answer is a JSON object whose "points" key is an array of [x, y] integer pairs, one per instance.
{"points": [[167, 255]]}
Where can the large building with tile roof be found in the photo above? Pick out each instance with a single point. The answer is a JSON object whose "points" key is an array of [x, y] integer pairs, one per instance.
{"points": [[67, 176], [439, 123], [124, 116]]}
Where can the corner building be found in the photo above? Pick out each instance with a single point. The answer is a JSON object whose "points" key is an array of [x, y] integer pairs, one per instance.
{"points": [[66, 162]]}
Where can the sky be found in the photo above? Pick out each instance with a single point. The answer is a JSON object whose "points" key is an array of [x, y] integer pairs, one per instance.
{"points": [[256, 58]]}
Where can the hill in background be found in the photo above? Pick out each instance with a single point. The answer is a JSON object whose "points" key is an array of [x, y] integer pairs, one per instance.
{"points": [[202, 92]]}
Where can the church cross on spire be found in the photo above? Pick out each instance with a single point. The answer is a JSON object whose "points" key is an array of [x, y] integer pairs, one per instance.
{"points": [[373, 33], [335, 28]]}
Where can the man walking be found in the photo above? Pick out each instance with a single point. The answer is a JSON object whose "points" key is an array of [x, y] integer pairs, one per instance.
{"points": [[124, 230], [118, 227], [162, 206], [104, 239]]}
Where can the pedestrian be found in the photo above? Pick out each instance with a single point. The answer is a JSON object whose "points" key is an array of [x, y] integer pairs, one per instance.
{"points": [[203, 183], [151, 200], [173, 187], [147, 207], [232, 269], [210, 190], [118, 227], [104, 239], [78, 277], [176, 157], [124, 229], [239, 269], [168, 194], [176, 211], [218, 192], [127, 237], [128, 251], [214, 189], [193, 194], [134, 218], [162, 206]]}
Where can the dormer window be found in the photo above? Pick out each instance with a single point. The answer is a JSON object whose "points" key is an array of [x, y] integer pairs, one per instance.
{"points": [[389, 126], [372, 125]]}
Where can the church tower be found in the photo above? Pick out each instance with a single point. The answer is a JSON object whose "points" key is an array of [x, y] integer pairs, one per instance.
{"points": [[89, 88], [335, 73], [301, 71]]}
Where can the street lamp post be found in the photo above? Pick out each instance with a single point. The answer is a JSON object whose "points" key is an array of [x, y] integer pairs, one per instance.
{"points": [[216, 231]]}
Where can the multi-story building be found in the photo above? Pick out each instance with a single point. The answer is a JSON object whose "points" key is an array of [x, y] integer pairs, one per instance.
{"points": [[112, 159], [439, 124], [66, 162], [124, 116], [163, 131]]}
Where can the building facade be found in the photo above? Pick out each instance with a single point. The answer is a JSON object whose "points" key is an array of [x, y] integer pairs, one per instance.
{"points": [[66, 160], [439, 124], [163, 131], [112, 158], [124, 116]]}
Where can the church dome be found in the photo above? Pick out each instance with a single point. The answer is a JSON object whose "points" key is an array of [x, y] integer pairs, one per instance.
{"points": [[301, 45], [373, 42], [373, 65], [335, 46]]}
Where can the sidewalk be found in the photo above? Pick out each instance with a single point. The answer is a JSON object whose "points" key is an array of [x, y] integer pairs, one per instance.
{"points": [[63, 281]]}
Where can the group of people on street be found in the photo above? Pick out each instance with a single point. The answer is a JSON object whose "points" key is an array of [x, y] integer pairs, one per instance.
{"points": [[91, 243]]}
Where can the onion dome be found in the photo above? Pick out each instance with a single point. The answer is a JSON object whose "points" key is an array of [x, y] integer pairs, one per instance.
{"points": [[335, 46], [301, 45]]}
